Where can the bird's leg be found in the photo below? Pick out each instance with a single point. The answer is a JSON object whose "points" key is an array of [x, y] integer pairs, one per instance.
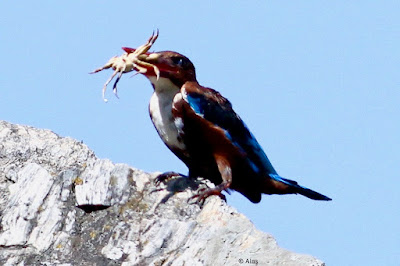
{"points": [[165, 177], [226, 174], [206, 192]]}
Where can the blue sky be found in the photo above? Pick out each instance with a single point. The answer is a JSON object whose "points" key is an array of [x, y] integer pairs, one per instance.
{"points": [[317, 82]]}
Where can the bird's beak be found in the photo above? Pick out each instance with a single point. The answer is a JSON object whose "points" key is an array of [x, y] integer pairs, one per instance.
{"points": [[151, 58], [153, 64], [145, 63], [150, 64]]}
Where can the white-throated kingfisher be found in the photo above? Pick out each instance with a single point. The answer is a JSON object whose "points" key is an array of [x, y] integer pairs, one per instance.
{"points": [[200, 127]]}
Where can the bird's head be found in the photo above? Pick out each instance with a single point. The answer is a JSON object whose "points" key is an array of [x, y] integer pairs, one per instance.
{"points": [[167, 64]]}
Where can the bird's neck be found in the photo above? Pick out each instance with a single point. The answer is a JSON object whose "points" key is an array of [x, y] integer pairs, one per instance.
{"points": [[161, 112], [164, 86]]}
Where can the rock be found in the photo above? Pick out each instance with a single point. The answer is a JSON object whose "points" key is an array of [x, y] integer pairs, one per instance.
{"points": [[61, 205]]}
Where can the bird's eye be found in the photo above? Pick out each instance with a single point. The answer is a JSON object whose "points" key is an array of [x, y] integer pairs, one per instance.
{"points": [[179, 61]]}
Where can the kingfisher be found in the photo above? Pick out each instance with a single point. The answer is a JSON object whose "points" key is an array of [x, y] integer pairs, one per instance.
{"points": [[202, 129]]}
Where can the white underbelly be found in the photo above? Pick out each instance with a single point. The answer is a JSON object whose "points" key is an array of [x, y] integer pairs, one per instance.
{"points": [[161, 115]]}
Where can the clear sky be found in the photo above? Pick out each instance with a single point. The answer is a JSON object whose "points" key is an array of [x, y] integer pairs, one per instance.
{"points": [[317, 82]]}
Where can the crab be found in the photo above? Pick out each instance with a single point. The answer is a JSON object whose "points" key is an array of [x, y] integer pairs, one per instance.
{"points": [[131, 60]]}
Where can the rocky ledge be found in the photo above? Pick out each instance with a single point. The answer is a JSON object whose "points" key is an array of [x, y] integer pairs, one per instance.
{"points": [[61, 205]]}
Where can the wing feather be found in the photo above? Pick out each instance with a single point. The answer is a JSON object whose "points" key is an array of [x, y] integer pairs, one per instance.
{"points": [[213, 107]]}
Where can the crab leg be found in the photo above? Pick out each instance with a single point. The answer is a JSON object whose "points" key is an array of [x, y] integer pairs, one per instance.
{"points": [[106, 66], [107, 82], [144, 48], [133, 59], [115, 84], [140, 65]]}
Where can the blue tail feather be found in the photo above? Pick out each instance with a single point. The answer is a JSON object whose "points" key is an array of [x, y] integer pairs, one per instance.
{"points": [[300, 189]]}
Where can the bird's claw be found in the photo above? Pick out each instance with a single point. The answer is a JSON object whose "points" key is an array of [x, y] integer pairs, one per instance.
{"points": [[204, 193], [131, 60], [165, 177]]}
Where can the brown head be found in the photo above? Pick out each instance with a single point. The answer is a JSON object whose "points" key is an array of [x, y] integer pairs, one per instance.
{"points": [[171, 65]]}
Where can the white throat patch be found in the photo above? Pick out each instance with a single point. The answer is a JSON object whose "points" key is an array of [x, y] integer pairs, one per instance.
{"points": [[161, 111]]}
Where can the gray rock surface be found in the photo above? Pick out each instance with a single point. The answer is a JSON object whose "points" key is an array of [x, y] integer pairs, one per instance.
{"points": [[60, 205]]}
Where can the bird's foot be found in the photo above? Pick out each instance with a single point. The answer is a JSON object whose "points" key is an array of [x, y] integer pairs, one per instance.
{"points": [[204, 193], [165, 177]]}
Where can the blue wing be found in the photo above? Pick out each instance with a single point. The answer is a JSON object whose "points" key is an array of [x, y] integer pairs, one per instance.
{"points": [[217, 110], [210, 105]]}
